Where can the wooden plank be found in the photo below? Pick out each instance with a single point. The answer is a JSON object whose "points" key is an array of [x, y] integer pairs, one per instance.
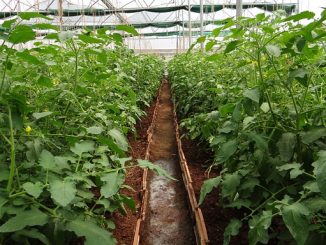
{"points": [[200, 230]]}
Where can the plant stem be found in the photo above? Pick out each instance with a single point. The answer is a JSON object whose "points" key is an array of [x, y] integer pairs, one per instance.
{"points": [[12, 153], [290, 91], [79, 159], [264, 87], [4, 73], [262, 204]]}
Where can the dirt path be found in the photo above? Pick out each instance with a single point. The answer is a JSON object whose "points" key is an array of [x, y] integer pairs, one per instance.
{"points": [[168, 218]]}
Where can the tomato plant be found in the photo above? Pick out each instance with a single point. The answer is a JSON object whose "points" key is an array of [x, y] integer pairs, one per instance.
{"points": [[257, 100], [65, 110]]}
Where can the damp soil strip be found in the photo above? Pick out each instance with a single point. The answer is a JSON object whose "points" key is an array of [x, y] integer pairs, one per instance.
{"points": [[144, 190], [165, 215]]}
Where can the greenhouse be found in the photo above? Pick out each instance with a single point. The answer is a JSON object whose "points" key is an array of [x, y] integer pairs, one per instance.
{"points": [[162, 122]]}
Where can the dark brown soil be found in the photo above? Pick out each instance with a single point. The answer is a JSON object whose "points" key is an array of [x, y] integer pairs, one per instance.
{"points": [[216, 217], [125, 225]]}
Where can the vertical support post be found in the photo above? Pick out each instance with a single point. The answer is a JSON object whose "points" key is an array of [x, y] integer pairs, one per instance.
{"points": [[178, 28], [201, 23], [183, 32], [60, 12], [298, 6], [239, 9], [189, 24]]}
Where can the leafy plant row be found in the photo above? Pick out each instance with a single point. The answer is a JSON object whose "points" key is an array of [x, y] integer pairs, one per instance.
{"points": [[258, 101], [65, 111]]}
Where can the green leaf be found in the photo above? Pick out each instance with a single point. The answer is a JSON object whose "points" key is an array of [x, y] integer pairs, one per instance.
{"points": [[302, 15], [8, 23], [111, 144], [31, 15], [33, 189], [232, 229], [301, 75], [53, 36], [213, 57], [63, 36], [61, 162], [227, 150], [209, 45], [63, 192], [265, 107], [315, 204], [313, 135], [259, 140], [230, 184], [130, 29], [294, 167], [236, 114], [44, 81], [89, 39], [247, 121], [231, 46], [216, 32], [45, 26], [113, 182], [296, 219], [46, 160], [21, 34], [207, 187], [82, 147], [94, 130], [35, 234], [259, 228], [39, 115], [3, 201], [253, 94], [320, 172], [201, 39], [26, 56], [119, 138], [117, 38], [94, 234], [25, 218], [129, 201], [286, 146], [226, 109], [273, 50], [301, 44], [157, 169]]}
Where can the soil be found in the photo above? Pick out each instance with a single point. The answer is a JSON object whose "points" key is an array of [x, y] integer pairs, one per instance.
{"points": [[216, 217], [125, 225], [168, 220]]}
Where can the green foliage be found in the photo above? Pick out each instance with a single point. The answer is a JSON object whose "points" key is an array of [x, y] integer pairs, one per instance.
{"points": [[65, 112], [94, 235], [129, 29], [23, 219], [155, 168], [207, 187], [296, 218], [257, 101]]}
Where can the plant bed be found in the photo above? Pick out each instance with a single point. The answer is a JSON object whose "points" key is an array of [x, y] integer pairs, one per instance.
{"points": [[125, 224], [215, 216]]}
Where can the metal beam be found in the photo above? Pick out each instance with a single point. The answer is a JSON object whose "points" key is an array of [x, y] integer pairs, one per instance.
{"points": [[239, 9], [109, 5]]}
